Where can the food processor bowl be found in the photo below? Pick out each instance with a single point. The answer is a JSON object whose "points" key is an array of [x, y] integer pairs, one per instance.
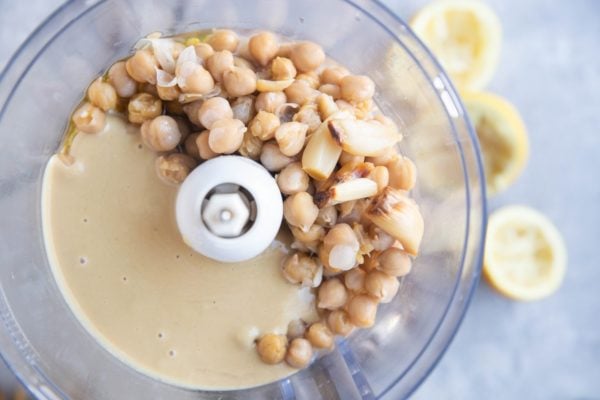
{"points": [[41, 339]]}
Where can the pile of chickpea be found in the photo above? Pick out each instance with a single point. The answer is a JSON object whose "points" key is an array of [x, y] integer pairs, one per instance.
{"points": [[346, 204]]}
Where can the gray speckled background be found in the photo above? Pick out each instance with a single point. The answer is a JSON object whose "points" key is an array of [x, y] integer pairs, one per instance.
{"points": [[550, 69]]}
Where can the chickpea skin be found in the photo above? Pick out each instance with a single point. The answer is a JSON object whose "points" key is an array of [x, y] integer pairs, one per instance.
{"points": [[124, 84], [142, 107], [223, 39], [239, 81], [264, 125], [89, 118], [263, 47], [142, 66], [332, 294], [174, 168], [168, 93], [292, 179], [204, 150], [357, 88], [307, 56], [319, 335], [226, 135], [299, 353], [362, 310], [270, 101], [282, 68], [161, 134], [271, 348], [218, 63], [290, 137], [395, 262], [214, 109], [300, 211]]}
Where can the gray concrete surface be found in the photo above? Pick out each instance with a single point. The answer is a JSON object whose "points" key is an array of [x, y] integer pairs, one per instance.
{"points": [[550, 69]]}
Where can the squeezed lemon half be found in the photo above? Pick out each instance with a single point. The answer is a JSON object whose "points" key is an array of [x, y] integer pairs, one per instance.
{"points": [[525, 255], [465, 36], [502, 137]]}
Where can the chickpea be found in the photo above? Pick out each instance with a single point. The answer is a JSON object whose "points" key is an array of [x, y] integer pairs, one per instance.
{"points": [[301, 93], [381, 286], [296, 328], [174, 168], [314, 234], [380, 239], [191, 110], [148, 88], [403, 173], [307, 56], [343, 105], [340, 248], [292, 179], [124, 84], [308, 115], [226, 135], [299, 210], [270, 101], [355, 279], [285, 49], [273, 159], [214, 109], [204, 150], [161, 133], [395, 262], [243, 63], [311, 78], [142, 66], [168, 93], [329, 272], [272, 348], [243, 108], [143, 107], [347, 158], [385, 158], [263, 47], [334, 75], [319, 335], [89, 119], [194, 78], [290, 137], [339, 322], [102, 94], [264, 125], [190, 146], [218, 63], [332, 294], [223, 39], [332, 90], [381, 176], [282, 68], [251, 146], [239, 81], [357, 88], [302, 269], [203, 51], [327, 216], [362, 310], [299, 353]]}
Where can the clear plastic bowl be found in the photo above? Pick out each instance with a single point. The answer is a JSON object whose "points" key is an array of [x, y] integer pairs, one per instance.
{"points": [[40, 338]]}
